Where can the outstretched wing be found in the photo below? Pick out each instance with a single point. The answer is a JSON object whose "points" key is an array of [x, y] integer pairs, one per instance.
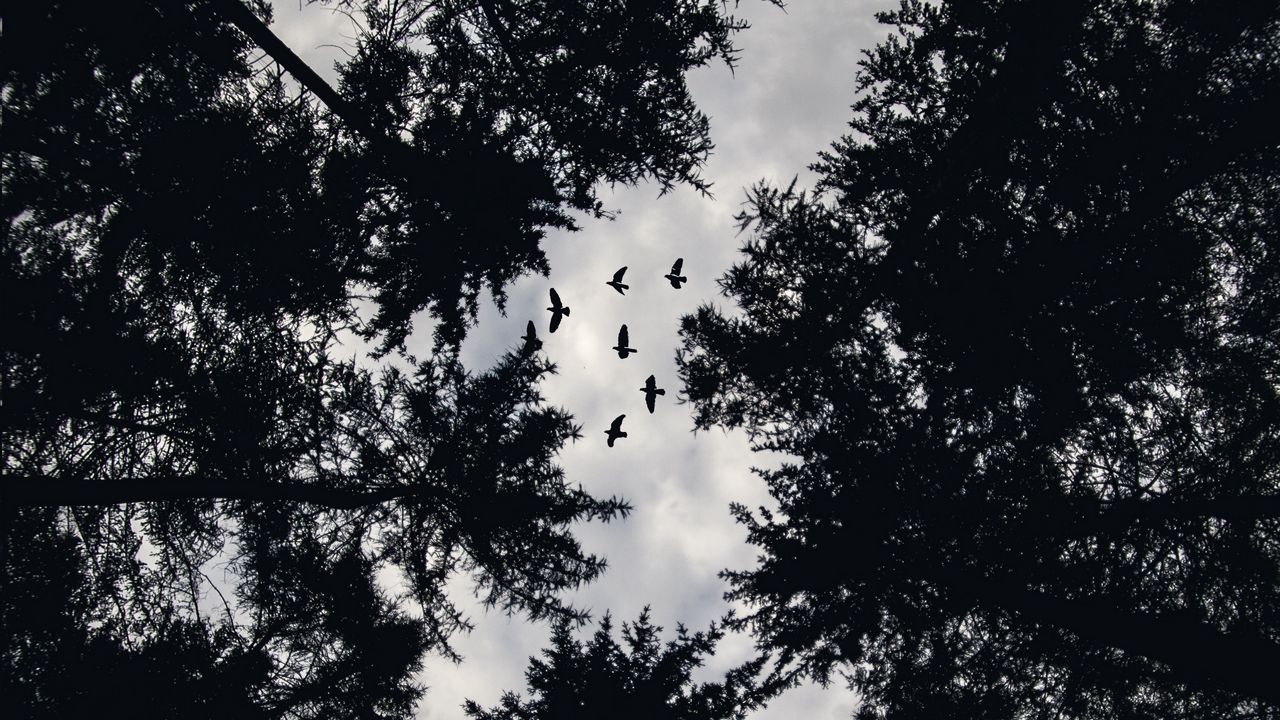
{"points": [[622, 337], [650, 384], [555, 320], [675, 269], [529, 331], [616, 426], [617, 277], [649, 399], [555, 298]]}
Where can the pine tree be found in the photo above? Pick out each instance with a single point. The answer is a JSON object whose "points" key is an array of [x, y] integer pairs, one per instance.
{"points": [[1020, 342], [193, 221], [640, 678]]}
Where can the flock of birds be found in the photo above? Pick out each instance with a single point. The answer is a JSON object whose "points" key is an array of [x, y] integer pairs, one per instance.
{"points": [[560, 311]]}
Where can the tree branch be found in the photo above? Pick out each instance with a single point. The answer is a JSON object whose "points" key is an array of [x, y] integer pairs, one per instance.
{"points": [[33, 491], [1199, 654], [1094, 517], [505, 40], [403, 158], [236, 13]]}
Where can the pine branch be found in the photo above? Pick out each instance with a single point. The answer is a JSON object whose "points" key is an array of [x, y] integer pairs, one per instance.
{"points": [[38, 490]]}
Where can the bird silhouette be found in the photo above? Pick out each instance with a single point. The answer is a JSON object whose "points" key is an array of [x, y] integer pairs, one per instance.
{"points": [[558, 311], [615, 430], [651, 392], [616, 282], [674, 276], [621, 347], [531, 342]]}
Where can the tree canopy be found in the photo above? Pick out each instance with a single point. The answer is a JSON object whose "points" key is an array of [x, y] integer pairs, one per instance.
{"points": [[1020, 343], [193, 224], [640, 678]]}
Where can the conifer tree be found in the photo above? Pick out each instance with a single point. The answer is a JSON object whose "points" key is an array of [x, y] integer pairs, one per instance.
{"points": [[639, 678], [1020, 344], [193, 223]]}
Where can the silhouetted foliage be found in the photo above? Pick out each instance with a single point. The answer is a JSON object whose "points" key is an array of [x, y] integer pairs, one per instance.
{"points": [[63, 657], [546, 100], [1020, 347], [188, 236], [640, 678]]}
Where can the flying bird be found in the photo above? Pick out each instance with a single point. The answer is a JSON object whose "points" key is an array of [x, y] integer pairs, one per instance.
{"points": [[651, 392], [621, 347], [558, 311], [616, 282], [674, 276], [615, 430], [531, 342]]}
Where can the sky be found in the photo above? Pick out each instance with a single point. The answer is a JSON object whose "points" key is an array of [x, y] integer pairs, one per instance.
{"points": [[787, 99]]}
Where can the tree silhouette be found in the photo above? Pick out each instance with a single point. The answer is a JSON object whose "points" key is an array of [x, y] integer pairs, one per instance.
{"points": [[1020, 346], [644, 679], [63, 656], [194, 222]]}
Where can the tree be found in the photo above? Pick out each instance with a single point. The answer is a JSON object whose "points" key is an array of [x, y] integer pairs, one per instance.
{"points": [[1020, 344], [188, 237], [601, 678]]}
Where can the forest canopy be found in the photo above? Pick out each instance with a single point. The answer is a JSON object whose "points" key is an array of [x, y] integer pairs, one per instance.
{"points": [[1019, 345]]}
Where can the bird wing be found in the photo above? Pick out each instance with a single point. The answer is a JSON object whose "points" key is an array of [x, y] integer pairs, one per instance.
{"points": [[617, 277], [675, 269], [555, 321], [649, 399], [555, 298], [529, 331], [617, 424], [650, 383], [622, 337]]}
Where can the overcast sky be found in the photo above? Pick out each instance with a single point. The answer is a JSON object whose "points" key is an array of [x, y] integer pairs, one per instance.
{"points": [[788, 98]]}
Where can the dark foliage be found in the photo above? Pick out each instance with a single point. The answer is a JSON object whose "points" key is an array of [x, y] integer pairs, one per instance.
{"points": [[189, 235], [63, 656], [1021, 344], [638, 679], [552, 98]]}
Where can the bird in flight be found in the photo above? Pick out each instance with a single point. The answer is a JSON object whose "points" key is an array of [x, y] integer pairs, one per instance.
{"points": [[616, 282], [674, 276], [651, 392], [531, 342], [558, 311], [621, 347], [615, 430]]}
